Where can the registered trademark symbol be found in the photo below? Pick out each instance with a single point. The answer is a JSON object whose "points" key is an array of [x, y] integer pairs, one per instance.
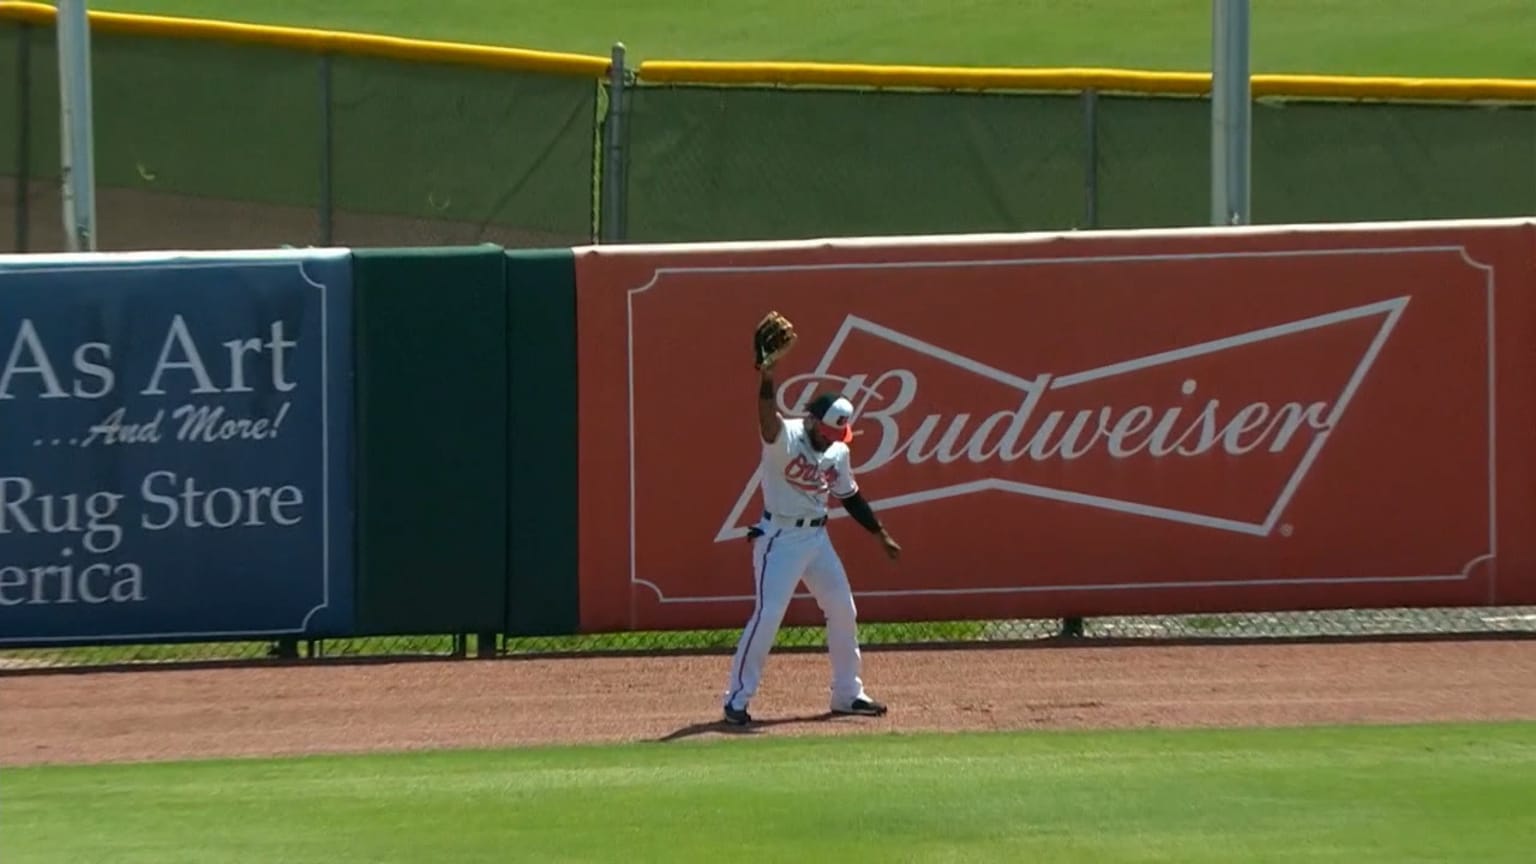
{"points": [[1286, 530]]}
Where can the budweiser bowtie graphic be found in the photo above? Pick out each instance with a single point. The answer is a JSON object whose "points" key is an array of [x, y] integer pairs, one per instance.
{"points": [[1108, 429], [1219, 434]]}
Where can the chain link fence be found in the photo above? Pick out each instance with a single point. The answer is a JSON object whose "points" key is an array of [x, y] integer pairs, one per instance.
{"points": [[204, 144], [727, 163], [1279, 626]]}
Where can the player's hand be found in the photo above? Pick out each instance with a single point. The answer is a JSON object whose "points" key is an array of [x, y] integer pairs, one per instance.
{"points": [[892, 548]]}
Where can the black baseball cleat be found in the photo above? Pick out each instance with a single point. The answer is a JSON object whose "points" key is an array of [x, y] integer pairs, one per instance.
{"points": [[737, 716], [863, 707]]}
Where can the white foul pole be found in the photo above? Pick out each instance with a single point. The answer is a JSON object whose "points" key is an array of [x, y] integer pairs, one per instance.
{"points": [[77, 136], [1231, 110]]}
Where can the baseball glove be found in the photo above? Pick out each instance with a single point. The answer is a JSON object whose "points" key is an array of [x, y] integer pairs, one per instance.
{"points": [[773, 339]]}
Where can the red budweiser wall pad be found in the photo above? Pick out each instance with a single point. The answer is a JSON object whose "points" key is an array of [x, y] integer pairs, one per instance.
{"points": [[1076, 424]]}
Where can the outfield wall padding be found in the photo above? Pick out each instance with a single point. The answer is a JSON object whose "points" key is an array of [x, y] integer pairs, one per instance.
{"points": [[431, 440], [1074, 424], [541, 480]]}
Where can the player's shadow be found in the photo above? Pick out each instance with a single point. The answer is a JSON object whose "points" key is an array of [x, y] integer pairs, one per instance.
{"points": [[753, 728]]}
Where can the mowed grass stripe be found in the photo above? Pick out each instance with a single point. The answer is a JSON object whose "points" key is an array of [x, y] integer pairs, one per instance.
{"points": [[1477, 38], [1389, 794]]}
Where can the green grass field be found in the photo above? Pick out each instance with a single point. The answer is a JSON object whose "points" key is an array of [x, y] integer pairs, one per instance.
{"points": [[1385, 37], [1393, 794]]}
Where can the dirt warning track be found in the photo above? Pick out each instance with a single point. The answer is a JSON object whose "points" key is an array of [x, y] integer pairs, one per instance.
{"points": [[161, 714]]}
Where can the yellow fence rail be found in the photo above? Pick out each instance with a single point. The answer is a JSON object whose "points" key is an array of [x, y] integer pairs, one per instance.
{"points": [[1075, 80], [326, 41], [801, 74]]}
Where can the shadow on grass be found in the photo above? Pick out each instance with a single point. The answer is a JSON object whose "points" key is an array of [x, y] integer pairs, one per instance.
{"points": [[755, 727]]}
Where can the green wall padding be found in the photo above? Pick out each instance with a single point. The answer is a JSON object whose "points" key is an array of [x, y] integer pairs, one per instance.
{"points": [[431, 440], [542, 596]]}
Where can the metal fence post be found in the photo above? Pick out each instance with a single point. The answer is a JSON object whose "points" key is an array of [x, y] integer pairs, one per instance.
{"points": [[77, 135], [1091, 158], [23, 134], [613, 195], [327, 153], [1231, 107]]}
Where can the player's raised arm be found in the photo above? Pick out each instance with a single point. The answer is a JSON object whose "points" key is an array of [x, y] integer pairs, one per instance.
{"points": [[772, 341], [768, 420]]}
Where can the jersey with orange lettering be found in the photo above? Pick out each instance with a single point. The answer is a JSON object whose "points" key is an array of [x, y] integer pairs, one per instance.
{"points": [[797, 479]]}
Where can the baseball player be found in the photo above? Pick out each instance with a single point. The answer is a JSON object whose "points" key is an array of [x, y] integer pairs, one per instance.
{"points": [[803, 460]]}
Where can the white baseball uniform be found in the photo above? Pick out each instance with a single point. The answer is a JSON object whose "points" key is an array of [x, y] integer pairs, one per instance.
{"points": [[794, 545]]}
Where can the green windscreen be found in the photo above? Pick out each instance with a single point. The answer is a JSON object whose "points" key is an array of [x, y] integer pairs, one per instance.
{"points": [[197, 145], [758, 164], [10, 128], [1319, 161], [37, 139], [213, 145], [204, 145], [1337, 162], [432, 154], [747, 163], [1153, 166], [16, 48]]}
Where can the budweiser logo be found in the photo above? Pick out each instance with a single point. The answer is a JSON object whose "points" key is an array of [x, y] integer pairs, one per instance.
{"points": [[1219, 434]]}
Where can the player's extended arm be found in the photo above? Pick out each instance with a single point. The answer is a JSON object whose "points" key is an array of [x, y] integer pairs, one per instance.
{"points": [[863, 514], [768, 420]]}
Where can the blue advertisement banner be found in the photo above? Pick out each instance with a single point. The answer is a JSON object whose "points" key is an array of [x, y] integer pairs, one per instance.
{"points": [[175, 434]]}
